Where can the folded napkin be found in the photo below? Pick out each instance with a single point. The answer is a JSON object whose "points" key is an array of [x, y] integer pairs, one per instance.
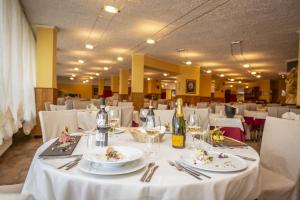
{"points": [[297, 117], [289, 115]]}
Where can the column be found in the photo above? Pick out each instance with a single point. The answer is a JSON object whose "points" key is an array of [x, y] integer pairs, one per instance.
{"points": [[100, 86], [137, 80], [46, 84], [114, 84], [298, 79], [123, 84], [205, 87]]}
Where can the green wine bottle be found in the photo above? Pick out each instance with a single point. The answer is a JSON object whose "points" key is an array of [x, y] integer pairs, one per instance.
{"points": [[178, 127]]}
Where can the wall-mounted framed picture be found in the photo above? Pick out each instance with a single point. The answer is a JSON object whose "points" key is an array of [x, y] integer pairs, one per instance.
{"points": [[190, 86]]}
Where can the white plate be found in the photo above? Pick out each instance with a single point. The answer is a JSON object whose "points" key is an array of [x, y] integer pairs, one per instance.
{"points": [[88, 167], [117, 131], [98, 156], [230, 164]]}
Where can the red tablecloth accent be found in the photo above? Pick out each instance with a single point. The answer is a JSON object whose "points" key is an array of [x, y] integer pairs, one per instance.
{"points": [[259, 122], [249, 120], [235, 133]]}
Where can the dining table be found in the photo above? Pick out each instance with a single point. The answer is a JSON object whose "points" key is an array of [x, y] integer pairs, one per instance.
{"points": [[46, 182]]}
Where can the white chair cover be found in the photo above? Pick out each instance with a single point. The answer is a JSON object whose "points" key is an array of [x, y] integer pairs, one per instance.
{"points": [[80, 104], [96, 102], [202, 105], [57, 107], [121, 104], [54, 122], [272, 111], [13, 192], [69, 104], [47, 106], [203, 113], [165, 116], [162, 107], [280, 163], [60, 101], [219, 109], [239, 109], [281, 111], [86, 119], [115, 102], [295, 110], [126, 116]]}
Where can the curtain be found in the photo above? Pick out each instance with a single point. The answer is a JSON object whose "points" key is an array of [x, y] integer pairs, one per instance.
{"points": [[17, 71]]}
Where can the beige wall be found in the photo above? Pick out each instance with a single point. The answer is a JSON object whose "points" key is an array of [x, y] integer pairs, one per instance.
{"points": [[85, 91]]}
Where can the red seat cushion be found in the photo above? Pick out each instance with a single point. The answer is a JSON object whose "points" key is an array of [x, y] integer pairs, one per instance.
{"points": [[235, 133]]}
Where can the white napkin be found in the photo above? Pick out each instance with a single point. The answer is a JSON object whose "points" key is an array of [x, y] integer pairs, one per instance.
{"points": [[289, 115]]}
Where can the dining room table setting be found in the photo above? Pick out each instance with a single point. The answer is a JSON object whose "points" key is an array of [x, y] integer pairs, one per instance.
{"points": [[144, 163]]}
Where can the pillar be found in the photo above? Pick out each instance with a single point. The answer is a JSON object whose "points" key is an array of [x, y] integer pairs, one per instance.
{"points": [[100, 86], [137, 80], [205, 86], [123, 84], [298, 79], [114, 84], [46, 79]]}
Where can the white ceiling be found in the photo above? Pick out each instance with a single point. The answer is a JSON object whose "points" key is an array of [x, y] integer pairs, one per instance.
{"points": [[268, 29]]}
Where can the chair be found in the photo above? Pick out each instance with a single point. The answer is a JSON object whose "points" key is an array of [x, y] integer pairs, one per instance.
{"points": [[219, 109], [96, 102], [69, 104], [202, 105], [47, 106], [13, 192], [272, 111], [295, 110], [162, 107], [57, 107], [54, 122], [126, 116], [280, 163], [79, 105], [122, 104], [165, 116], [281, 111], [109, 108]]}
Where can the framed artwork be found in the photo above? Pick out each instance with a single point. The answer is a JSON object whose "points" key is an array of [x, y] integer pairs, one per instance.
{"points": [[190, 86]]}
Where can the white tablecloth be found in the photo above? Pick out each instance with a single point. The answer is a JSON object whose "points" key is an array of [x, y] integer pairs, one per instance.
{"points": [[45, 181], [223, 121]]}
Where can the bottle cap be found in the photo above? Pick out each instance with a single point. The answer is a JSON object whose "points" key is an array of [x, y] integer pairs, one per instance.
{"points": [[102, 102], [179, 101]]}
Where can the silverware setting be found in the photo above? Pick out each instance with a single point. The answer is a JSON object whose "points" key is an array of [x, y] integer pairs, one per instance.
{"points": [[193, 170], [180, 168], [60, 157], [147, 176], [70, 164], [246, 158]]}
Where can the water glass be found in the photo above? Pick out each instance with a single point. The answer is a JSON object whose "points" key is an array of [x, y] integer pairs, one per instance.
{"points": [[193, 129]]}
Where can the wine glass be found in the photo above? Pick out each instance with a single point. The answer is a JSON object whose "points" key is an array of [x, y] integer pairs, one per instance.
{"points": [[153, 129], [113, 119], [143, 116], [193, 129]]}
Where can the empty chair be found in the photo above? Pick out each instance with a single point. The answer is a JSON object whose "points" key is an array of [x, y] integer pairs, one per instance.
{"points": [[47, 106], [295, 110], [220, 109], [13, 192], [54, 122], [115, 102], [281, 111], [60, 101], [96, 103], [280, 166], [80, 104], [240, 109], [119, 111], [203, 114], [202, 105], [162, 107], [125, 104], [165, 116], [126, 115], [57, 107], [69, 104], [272, 111]]}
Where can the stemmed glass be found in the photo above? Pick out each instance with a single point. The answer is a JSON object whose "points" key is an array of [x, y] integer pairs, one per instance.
{"points": [[193, 129], [153, 130], [143, 116], [113, 119]]}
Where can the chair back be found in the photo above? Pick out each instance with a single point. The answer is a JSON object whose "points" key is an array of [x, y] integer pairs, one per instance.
{"points": [[54, 122], [295, 110], [219, 109], [60, 101], [165, 116], [47, 106], [79, 105], [281, 111], [69, 104], [96, 102], [109, 108], [162, 107], [57, 107], [203, 113], [280, 147], [126, 115], [272, 111], [202, 105], [126, 104]]}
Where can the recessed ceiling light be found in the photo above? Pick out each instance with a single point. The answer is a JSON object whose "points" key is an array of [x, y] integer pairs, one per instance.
{"points": [[231, 85], [86, 81], [240, 82], [258, 76], [76, 69], [150, 41], [74, 75], [165, 74], [246, 65], [105, 68], [81, 61], [111, 9], [83, 81], [188, 62], [166, 84], [91, 77], [71, 78], [97, 74], [247, 86], [222, 75], [120, 58], [208, 71], [89, 46], [148, 79], [232, 79], [175, 81], [253, 73]]}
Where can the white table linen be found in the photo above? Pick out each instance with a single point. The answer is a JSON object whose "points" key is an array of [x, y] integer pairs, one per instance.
{"points": [[223, 121], [255, 114], [44, 181]]}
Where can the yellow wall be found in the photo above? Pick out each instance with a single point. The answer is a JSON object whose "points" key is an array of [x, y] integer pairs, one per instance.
{"points": [[186, 73], [46, 57], [168, 94], [205, 85], [137, 73], [265, 89], [114, 83], [298, 79], [85, 91], [153, 86], [219, 88]]}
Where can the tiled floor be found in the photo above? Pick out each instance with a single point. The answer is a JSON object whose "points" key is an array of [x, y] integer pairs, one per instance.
{"points": [[15, 162]]}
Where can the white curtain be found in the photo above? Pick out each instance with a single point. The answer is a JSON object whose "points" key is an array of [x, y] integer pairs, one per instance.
{"points": [[17, 71]]}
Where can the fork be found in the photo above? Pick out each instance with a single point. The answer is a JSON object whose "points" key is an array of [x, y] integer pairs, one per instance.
{"points": [[180, 168]]}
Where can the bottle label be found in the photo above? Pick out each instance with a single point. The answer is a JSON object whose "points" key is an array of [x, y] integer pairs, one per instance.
{"points": [[177, 140], [101, 121]]}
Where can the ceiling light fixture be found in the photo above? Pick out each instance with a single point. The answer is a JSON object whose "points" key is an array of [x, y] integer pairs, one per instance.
{"points": [[240, 82], [76, 69], [150, 41], [86, 81], [81, 61], [165, 74], [232, 79], [208, 71], [247, 86], [166, 84], [105, 68], [258, 76], [175, 81], [71, 78], [91, 77], [188, 62], [74, 75], [231, 86], [83, 81], [253, 73], [148, 79], [222, 75], [89, 46], [120, 58], [111, 9], [246, 65], [97, 74]]}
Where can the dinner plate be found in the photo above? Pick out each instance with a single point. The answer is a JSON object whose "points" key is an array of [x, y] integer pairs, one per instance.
{"points": [[128, 154], [231, 163], [88, 167], [117, 131]]}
